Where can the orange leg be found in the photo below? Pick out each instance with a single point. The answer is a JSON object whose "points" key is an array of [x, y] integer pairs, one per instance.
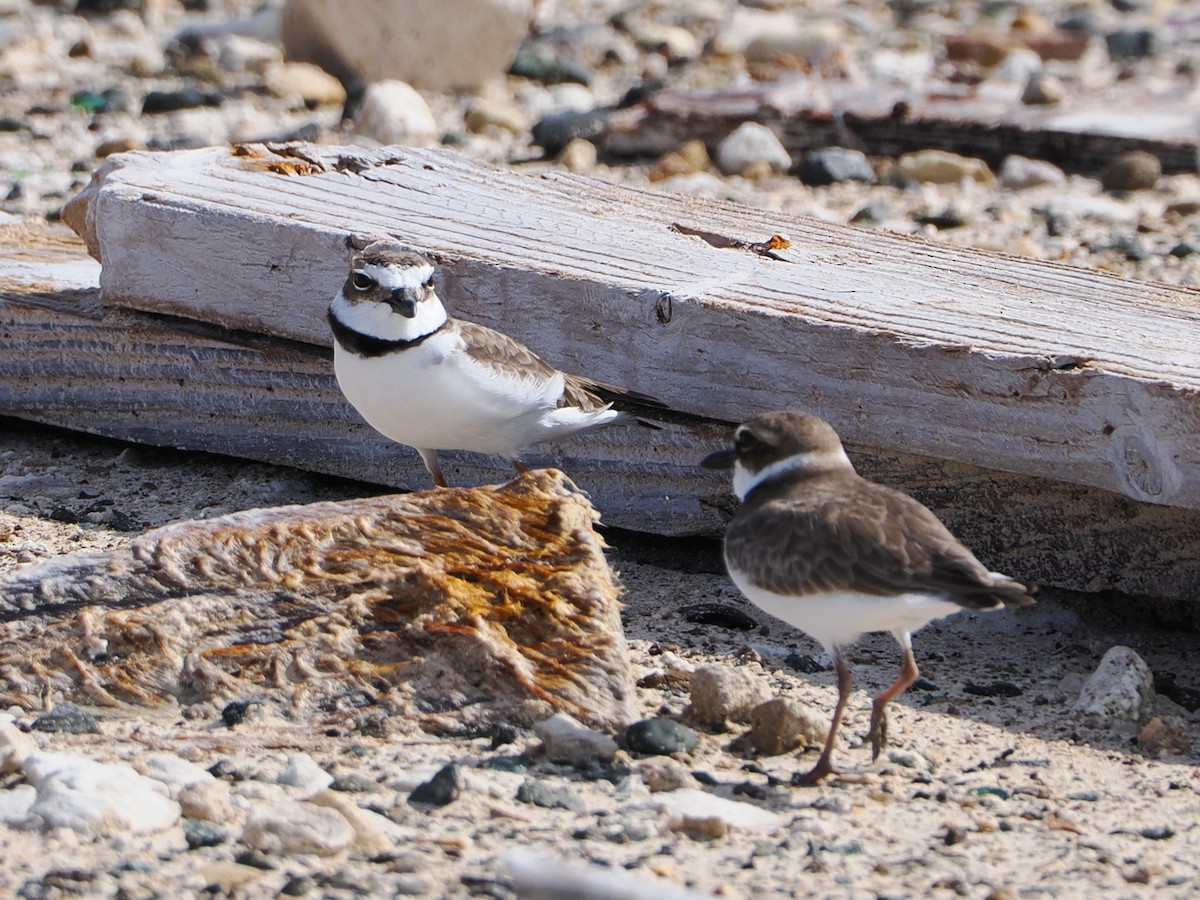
{"points": [[908, 674], [824, 765]]}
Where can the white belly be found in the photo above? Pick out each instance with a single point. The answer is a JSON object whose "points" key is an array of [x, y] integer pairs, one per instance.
{"points": [[433, 398], [837, 619]]}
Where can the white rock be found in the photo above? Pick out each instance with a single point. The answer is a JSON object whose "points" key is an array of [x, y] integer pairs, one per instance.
{"points": [[942, 167], [1100, 208], [392, 112], [1120, 690], [15, 804], [95, 798], [698, 184], [481, 115], [570, 741], [208, 800], [1019, 172], [293, 827], [695, 804], [490, 782], [676, 43], [239, 53], [302, 772], [751, 143], [1018, 66], [436, 44], [174, 772], [15, 745], [579, 156], [570, 97], [304, 83], [536, 874], [764, 36], [254, 790], [373, 834], [721, 693]]}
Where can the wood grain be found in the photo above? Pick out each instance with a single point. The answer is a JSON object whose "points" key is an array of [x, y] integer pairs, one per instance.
{"points": [[67, 359], [1010, 364], [1083, 134]]}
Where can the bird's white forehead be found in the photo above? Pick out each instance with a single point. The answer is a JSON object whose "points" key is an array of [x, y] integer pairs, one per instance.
{"points": [[392, 277]]}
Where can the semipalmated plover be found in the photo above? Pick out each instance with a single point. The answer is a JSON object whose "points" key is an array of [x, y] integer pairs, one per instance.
{"points": [[423, 378], [826, 550]]}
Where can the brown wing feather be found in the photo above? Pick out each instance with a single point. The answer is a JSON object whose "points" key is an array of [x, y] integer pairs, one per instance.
{"points": [[853, 535], [495, 348]]}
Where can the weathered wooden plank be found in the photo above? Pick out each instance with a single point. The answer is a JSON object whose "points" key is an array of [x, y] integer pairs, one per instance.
{"points": [[68, 360], [1010, 364], [988, 121]]}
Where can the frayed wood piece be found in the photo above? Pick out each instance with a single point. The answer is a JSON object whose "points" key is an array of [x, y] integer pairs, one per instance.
{"points": [[484, 605]]}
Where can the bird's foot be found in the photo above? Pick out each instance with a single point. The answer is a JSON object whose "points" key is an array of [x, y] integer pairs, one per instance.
{"points": [[823, 769], [878, 735]]}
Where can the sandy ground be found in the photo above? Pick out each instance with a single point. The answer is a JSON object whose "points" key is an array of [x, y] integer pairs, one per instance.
{"points": [[980, 796]]}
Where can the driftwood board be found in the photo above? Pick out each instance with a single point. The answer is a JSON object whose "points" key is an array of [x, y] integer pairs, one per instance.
{"points": [[67, 359], [1083, 134], [1010, 364]]}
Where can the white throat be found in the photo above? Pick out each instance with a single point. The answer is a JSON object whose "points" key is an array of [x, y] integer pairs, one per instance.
{"points": [[379, 320], [744, 481]]}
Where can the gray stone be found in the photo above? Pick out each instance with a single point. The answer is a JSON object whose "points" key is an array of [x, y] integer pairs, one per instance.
{"points": [[67, 718], [660, 737], [782, 724], [725, 693], [751, 144], [833, 164], [553, 132], [548, 796], [441, 789], [1133, 171], [1132, 44], [567, 740], [291, 827], [1120, 691], [200, 833]]}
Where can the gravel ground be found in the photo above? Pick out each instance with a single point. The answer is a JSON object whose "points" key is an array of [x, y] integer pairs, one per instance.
{"points": [[996, 794]]}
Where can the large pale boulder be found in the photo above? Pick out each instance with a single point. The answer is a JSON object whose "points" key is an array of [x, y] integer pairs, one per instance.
{"points": [[433, 44]]}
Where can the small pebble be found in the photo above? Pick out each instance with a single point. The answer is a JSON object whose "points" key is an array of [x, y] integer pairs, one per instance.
{"points": [[199, 833], [1135, 171], [548, 796], [442, 789], [67, 718], [660, 737]]}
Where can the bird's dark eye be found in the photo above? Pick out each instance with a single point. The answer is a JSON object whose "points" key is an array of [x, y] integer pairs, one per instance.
{"points": [[428, 282], [745, 440], [362, 281]]}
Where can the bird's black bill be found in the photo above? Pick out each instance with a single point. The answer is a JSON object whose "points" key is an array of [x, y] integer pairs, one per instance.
{"points": [[722, 459], [403, 304]]}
